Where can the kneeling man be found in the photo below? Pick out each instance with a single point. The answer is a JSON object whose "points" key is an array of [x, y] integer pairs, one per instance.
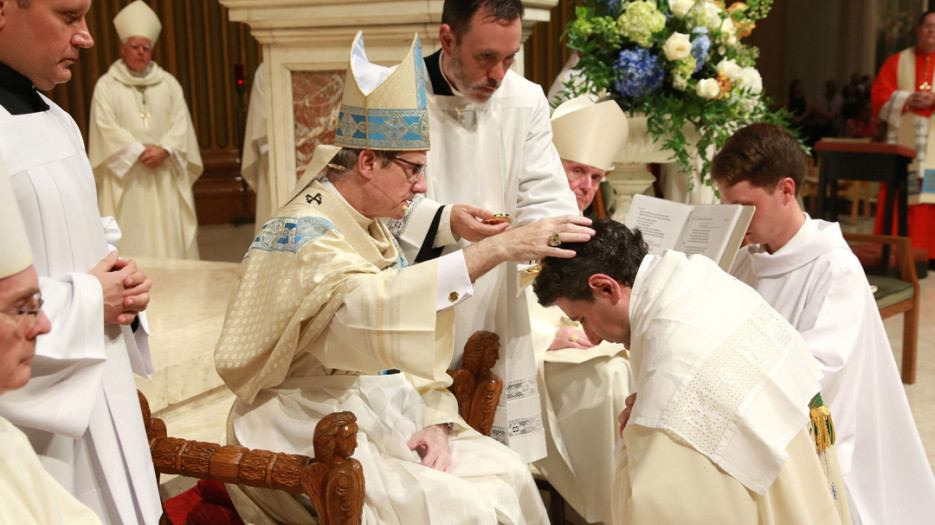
{"points": [[719, 430], [582, 386], [327, 314]]}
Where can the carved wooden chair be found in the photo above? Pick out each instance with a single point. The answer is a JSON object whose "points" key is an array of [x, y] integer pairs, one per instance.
{"points": [[897, 296], [332, 480], [476, 388]]}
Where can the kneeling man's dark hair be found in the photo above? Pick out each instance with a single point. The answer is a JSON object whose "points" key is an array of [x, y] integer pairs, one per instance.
{"points": [[615, 250]]}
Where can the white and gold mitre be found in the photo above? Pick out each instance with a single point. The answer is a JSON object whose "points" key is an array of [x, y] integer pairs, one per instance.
{"points": [[589, 132], [384, 108], [138, 19], [15, 255]]}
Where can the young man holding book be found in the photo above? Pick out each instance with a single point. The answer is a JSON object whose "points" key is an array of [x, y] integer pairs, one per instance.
{"points": [[805, 270]]}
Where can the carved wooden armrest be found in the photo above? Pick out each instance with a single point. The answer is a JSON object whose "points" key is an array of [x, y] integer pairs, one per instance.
{"points": [[475, 386], [333, 480]]}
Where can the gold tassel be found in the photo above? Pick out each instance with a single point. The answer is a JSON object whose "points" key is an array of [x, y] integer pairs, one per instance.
{"points": [[822, 427]]}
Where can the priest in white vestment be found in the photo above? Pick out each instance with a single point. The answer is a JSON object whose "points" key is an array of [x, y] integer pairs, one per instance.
{"points": [[804, 269], [582, 386], [719, 429], [28, 494], [328, 316], [492, 148], [80, 411], [143, 146], [254, 166]]}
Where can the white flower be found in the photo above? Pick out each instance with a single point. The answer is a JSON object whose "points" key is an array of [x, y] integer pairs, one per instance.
{"points": [[680, 8], [679, 82], [750, 80], [707, 88], [727, 29], [729, 69], [711, 15], [748, 104], [729, 33], [677, 47]]}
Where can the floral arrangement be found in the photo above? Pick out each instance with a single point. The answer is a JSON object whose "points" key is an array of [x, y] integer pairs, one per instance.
{"points": [[677, 61]]}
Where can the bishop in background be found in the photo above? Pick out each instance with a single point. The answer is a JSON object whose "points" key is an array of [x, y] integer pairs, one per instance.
{"points": [[143, 147]]}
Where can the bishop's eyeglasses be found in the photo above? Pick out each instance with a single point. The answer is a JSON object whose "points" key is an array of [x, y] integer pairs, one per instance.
{"points": [[417, 169], [32, 308]]}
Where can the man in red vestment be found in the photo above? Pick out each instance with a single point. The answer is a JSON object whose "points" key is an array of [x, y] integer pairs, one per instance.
{"points": [[902, 97]]}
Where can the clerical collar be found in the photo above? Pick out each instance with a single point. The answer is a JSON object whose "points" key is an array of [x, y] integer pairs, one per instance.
{"points": [[440, 84], [17, 94]]}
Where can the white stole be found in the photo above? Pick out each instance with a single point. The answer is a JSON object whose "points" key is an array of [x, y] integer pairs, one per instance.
{"points": [[717, 368]]}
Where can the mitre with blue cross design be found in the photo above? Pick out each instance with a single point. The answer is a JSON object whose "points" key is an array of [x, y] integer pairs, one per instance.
{"points": [[384, 108]]}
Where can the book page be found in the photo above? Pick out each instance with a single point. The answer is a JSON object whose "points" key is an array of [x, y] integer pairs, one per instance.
{"points": [[736, 238], [660, 221], [708, 229]]}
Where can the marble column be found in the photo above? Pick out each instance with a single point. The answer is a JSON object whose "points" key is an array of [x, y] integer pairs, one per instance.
{"points": [[306, 44]]}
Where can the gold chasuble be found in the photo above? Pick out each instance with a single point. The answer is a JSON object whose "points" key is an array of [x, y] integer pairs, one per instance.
{"points": [[323, 306], [314, 254]]}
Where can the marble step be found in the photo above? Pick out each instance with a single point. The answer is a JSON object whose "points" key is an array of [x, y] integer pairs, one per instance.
{"points": [[186, 313]]}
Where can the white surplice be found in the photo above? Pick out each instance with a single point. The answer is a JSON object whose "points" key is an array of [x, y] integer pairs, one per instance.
{"points": [[154, 207], [582, 392], [718, 430], [323, 305], [80, 410], [497, 155], [28, 494], [818, 285], [254, 167]]}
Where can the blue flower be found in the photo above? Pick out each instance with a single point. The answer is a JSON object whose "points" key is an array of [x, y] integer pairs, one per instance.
{"points": [[639, 73], [701, 44]]}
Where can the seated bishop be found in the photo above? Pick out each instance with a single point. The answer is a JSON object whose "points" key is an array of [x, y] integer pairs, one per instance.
{"points": [[721, 427], [328, 316], [582, 385]]}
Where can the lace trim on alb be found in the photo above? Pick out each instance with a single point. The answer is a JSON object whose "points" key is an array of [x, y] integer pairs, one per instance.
{"points": [[521, 387], [704, 408], [518, 427]]}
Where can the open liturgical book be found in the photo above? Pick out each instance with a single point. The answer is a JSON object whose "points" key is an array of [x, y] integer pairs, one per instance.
{"points": [[713, 230]]}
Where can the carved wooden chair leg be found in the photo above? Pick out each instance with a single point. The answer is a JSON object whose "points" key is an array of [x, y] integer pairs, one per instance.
{"points": [[333, 480]]}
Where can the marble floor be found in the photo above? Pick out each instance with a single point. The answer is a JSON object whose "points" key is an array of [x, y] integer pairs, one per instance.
{"points": [[187, 393]]}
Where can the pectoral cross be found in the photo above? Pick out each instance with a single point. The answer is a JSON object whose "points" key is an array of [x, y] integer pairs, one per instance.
{"points": [[145, 115], [466, 117], [925, 77]]}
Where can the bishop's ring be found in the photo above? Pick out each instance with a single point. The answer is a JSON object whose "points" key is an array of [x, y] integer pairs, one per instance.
{"points": [[555, 240]]}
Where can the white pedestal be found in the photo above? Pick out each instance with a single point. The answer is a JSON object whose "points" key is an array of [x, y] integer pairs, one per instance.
{"points": [[627, 180], [675, 185]]}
